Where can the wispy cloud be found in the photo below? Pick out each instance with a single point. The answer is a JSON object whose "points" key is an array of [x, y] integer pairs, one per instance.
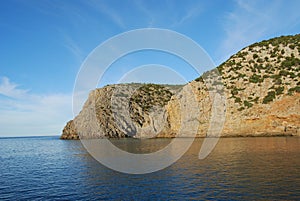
{"points": [[10, 89], [251, 21], [59, 9], [148, 14], [26, 113], [73, 47], [111, 13], [167, 17], [191, 12]]}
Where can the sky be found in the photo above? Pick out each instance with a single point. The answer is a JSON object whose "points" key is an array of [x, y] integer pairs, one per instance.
{"points": [[43, 44]]}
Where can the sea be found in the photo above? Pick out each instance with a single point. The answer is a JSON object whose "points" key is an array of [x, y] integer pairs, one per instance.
{"points": [[254, 168]]}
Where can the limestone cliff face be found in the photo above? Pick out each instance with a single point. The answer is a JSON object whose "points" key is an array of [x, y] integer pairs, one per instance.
{"points": [[278, 117], [125, 110], [260, 86], [69, 132]]}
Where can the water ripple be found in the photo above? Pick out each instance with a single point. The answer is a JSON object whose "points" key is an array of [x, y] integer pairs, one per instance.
{"points": [[47, 168]]}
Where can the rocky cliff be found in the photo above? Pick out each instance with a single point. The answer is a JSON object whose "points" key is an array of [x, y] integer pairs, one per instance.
{"points": [[260, 85]]}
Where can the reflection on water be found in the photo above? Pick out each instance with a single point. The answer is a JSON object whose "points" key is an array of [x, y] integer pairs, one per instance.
{"points": [[141, 146], [237, 169]]}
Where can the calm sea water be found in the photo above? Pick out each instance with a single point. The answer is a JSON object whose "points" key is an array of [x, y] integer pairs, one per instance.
{"points": [[46, 168]]}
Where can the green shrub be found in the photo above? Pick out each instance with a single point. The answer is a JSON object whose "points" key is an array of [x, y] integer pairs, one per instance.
{"points": [[231, 62], [275, 49], [290, 61], [295, 89], [275, 76], [248, 104], [292, 46], [199, 79], [259, 60], [279, 90], [266, 58], [241, 108], [266, 76], [234, 91], [255, 78], [292, 75], [278, 81], [240, 75], [269, 98], [237, 100], [283, 73]]}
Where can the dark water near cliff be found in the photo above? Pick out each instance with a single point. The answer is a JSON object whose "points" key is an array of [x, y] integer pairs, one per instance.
{"points": [[47, 168]]}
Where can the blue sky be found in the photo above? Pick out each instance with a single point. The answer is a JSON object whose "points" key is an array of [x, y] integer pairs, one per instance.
{"points": [[44, 42]]}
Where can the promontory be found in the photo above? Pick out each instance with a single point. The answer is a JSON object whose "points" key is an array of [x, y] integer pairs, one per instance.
{"points": [[258, 90]]}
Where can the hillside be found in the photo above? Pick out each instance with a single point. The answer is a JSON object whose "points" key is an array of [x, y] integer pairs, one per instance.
{"points": [[271, 69], [261, 85]]}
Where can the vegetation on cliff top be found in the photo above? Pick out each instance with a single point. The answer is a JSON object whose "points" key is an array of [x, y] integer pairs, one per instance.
{"points": [[145, 98], [262, 72], [149, 95]]}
